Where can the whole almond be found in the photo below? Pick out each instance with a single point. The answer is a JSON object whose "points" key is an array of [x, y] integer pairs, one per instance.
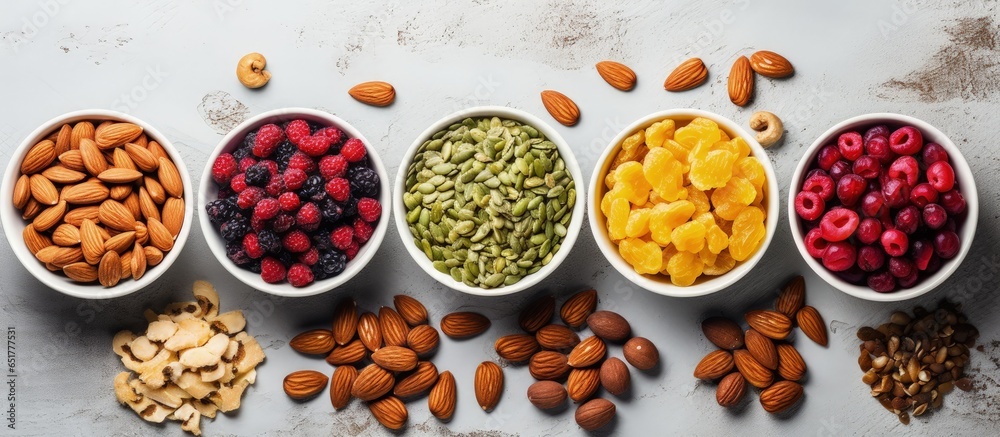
{"points": [[119, 176], [812, 325], [80, 272], [423, 377], [394, 328], [137, 264], [155, 190], [66, 235], [116, 216], [369, 331], [340, 385], [516, 347], [141, 157], [157, 150], [389, 411], [43, 190], [442, 399], [464, 324], [31, 209], [372, 383], [93, 160], [780, 396], [609, 325], [548, 365], [741, 82], [595, 414], [792, 297], [589, 352], [349, 353], [557, 337], [87, 193], [488, 384], [35, 240], [578, 307], [121, 193], [109, 269], [771, 64], [63, 175], [92, 242], [715, 365], [373, 93], [63, 139], [423, 339], [641, 353], [537, 314], [49, 217], [560, 107], [547, 395], [72, 160], [121, 242], [126, 258], [60, 256], [159, 236], [762, 349], [345, 321], [687, 75], [395, 358], [147, 207], [81, 130], [121, 161], [170, 178], [313, 342], [142, 141], [410, 309], [615, 377], [153, 255], [731, 390], [22, 191], [755, 373], [116, 134], [173, 215], [582, 383], [38, 157], [617, 75], [791, 366], [723, 332], [772, 324], [132, 204]]}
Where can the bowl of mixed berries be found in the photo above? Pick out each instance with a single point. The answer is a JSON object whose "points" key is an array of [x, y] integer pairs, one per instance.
{"points": [[883, 207], [294, 202]]}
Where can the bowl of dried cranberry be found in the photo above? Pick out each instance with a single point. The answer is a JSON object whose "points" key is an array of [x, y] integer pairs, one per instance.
{"points": [[883, 207], [294, 202]]}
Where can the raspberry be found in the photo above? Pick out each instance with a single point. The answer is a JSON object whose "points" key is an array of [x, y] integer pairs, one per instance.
{"points": [[289, 201], [827, 157], [236, 254], [238, 183], [224, 168], [249, 197], [839, 256], [271, 270], [252, 246], [221, 210], [296, 242], [332, 166], [338, 189], [258, 224], [309, 257], [334, 134], [302, 162], [342, 237], [266, 209], [906, 140], [294, 178], [271, 166], [269, 241], [364, 181], [809, 205], [308, 217], [296, 130], [352, 250], [353, 150], [246, 163], [299, 275], [258, 175], [275, 187], [283, 222], [234, 229], [850, 145], [268, 137], [941, 176], [369, 209], [314, 145], [362, 231]]}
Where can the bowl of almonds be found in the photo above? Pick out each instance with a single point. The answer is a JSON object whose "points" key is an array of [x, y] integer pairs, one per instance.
{"points": [[97, 204]]}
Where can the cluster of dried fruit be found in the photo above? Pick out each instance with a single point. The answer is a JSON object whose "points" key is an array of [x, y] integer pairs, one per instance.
{"points": [[398, 342], [913, 361], [104, 203], [762, 354], [585, 369], [190, 363]]}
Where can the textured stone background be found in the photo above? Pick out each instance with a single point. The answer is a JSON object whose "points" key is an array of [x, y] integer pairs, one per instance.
{"points": [[171, 62]]}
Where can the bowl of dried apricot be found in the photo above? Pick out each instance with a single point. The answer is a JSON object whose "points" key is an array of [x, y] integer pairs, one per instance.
{"points": [[683, 202]]}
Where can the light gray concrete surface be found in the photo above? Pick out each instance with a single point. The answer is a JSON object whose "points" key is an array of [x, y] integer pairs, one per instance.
{"points": [[171, 63]]}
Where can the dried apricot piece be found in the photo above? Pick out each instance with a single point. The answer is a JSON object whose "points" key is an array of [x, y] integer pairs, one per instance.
{"points": [[713, 171], [664, 173], [659, 132], [689, 237], [684, 268], [748, 232], [723, 263], [644, 256], [618, 218], [638, 223], [732, 198]]}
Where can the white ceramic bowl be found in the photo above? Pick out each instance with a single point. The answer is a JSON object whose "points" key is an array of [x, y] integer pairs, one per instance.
{"points": [[963, 176], [210, 191], [13, 224], [661, 284], [572, 230]]}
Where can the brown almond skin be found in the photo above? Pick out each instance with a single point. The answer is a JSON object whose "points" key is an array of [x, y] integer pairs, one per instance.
{"points": [[340, 386], [442, 398], [395, 358], [689, 74], [414, 312], [538, 314], [609, 325], [741, 82], [372, 383], [345, 321], [418, 382], [488, 384], [349, 353], [516, 347], [423, 339], [578, 307], [393, 326], [561, 107], [557, 337], [641, 353], [715, 365], [615, 377], [617, 75], [762, 349], [548, 365], [812, 325], [464, 324], [755, 373], [723, 332], [583, 383], [390, 412], [772, 324], [792, 297], [780, 396], [304, 384], [731, 390], [791, 366], [589, 352], [369, 331], [313, 342], [595, 414], [547, 395], [770, 64]]}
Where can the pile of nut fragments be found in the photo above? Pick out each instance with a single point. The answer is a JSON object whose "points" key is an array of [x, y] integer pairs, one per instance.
{"points": [[191, 362]]}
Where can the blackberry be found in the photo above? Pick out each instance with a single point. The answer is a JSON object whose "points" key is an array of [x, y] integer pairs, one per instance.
{"points": [[313, 189], [331, 263], [258, 175], [236, 254], [285, 151], [250, 139], [321, 240], [269, 241], [286, 258], [227, 192], [282, 223], [332, 212], [221, 211], [235, 228], [350, 207], [253, 266], [364, 181]]}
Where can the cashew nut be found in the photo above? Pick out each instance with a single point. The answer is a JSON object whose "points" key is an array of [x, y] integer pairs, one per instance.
{"points": [[768, 127], [250, 71]]}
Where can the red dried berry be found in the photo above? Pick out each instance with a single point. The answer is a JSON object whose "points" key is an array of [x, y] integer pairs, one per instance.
{"points": [[289, 201], [301, 161], [266, 209], [352, 250], [332, 166], [296, 242], [353, 150], [272, 271], [268, 138], [282, 223], [275, 187], [224, 168], [252, 246], [296, 130], [300, 275], [246, 163], [334, 134], [339, 189], [294, 178], [362, 231], [272, 167], [309, 257], [238, 183], [249, 197], [314, 145], [309, 216], [369, 209], [342, 237]]}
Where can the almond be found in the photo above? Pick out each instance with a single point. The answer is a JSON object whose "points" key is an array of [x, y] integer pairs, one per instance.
{"points": [[372, 383], [76, 215], [66, 235], [641, 353], [812, 325], [60, 256], [395, 358], [80, 272], [35, 240], [38, 157], [142, 141], [159, 235], [615, 377], [389, 411], [121, 160], [561, 107], [723, 332], [423, 339], [313, 342], [50, 216], [410, 309], [157, 150], [762, 349], [304, 384], [780, 396], [72, 160], [557, 337], [153, 255], [771, 64], [92, 242], [755, 373], [369, 332], [617, 75], [22, 191], [121, 242], [173, 215], [86, 193], [373, 93], [116, 216], [109, 269], [488, 384], [137, 265], [147, 207], [155, 190], [464, 324], [792, 297], [142, 157], [547, 395], [63, 139], [582, 383], [548, 365], [119, 175], [170, 178], [590, 351], [126, 264], [772, 324], [595, 414], [43, 190], [345, 321], [62, 175], [516, 347], [93, 160], [609, 325], [713, 366], [423, 377], [731, 390], [393, 327], [349, 353], [442, 399], [537, 314], [81, 130], [687, 75], [141, 233], [791, 366], [116, 134], [741, 82], [340, 384], [578, 307], [31, 209]]}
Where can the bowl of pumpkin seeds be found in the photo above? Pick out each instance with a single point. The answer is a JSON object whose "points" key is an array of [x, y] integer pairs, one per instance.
{"points": [[488, 200]]}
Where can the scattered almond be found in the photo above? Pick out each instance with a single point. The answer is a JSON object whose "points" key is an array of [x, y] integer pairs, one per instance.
{"points": [[313, 341], [791, 366], [548, 365], [792, 297], [590, 351], [537, 314], [641, 353], [582, 383], [410, 309], [557, 337], [374, 93], [464, 324], [423, 377], [516, 347], [488, 385], [715, 365], [304, 384], [812, 325], [689, 74], [762, 349], [780, 396], [731, 390], [771, 64], [615, 377], [345, 322], [741, 82], [577, 308], [755, 373], [771, 324], [372, 383], [369, 331], [442, 400], [547, 395], [723, 332], [595, 414], [389, 411], [349, 353], [561, 107], [423, 339], [617, 75], [395, 358], [340, 385], [609, 325], [393, 327]]}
